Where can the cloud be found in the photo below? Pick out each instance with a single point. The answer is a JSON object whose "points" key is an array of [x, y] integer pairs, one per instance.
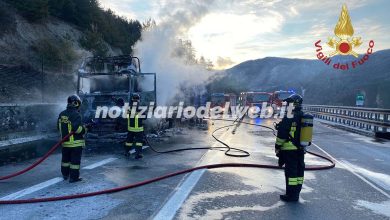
{"points": [[133, 9], [217, 34], [181, 15], [250, 29], [370, 29], [224, 62]]}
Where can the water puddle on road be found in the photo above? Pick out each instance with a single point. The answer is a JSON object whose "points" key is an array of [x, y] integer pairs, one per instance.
{"points": [[251, 186], [220, 213], [269, 181], [370, 140], [215, 212]]}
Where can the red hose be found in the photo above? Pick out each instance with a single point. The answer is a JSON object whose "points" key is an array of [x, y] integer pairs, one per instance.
{"points": [[117, 189], [156, 179], [36, 163]]}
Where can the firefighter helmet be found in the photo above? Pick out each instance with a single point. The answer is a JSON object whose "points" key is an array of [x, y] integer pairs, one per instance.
{"points": [[135, 97], [74, 101], [295, 99], [120, 102]]}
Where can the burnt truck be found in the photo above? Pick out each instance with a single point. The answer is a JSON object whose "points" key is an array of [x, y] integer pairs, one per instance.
{"points": [[107, 82]]}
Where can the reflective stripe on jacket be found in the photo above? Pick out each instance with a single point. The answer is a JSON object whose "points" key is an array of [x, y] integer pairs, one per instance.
{"points": [[288, 132], [68, 121], [134, 124]]}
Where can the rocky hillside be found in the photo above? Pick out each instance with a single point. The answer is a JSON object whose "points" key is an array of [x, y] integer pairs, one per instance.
{"points": [[319, 83], [55, 36]]}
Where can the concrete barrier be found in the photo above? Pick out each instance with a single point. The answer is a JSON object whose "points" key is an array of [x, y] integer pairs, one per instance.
{"points": [[21, 120]]}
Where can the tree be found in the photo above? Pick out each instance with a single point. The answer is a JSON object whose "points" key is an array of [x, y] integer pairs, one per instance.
{"points": [[209, 64], [86, 12], [7, 20], [64, 9], [149, 24], [93, 41], [32, 10], [117, 31], [55, 53]]}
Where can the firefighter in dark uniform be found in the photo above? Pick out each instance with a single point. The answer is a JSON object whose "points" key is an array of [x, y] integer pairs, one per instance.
{"points": [[70, 121], [294, 134], [135, 129]]}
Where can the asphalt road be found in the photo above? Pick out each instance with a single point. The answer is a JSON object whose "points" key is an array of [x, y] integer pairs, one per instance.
{"points": [[358, 188]]}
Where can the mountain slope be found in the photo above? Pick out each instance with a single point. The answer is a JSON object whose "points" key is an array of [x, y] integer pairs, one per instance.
{"points": [[319, 83]]}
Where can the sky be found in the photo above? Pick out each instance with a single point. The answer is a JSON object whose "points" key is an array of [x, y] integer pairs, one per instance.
{"points": [[229, 32]]}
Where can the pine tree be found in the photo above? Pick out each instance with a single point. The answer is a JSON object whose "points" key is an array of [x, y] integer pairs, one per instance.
{"points": [[32, 10]]}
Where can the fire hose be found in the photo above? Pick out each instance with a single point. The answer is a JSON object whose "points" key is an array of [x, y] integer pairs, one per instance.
{"points": [[156, 179], [39, 161]]}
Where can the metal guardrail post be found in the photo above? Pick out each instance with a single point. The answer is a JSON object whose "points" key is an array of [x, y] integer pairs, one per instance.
{"points": [[386, 120]]}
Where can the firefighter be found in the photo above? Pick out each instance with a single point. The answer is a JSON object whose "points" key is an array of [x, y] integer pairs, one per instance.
{"points": [[70, 121], [294, 134], [135, 129]]}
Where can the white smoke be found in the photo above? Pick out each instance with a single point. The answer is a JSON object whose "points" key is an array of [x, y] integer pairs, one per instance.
{"points": [[159, 43]]}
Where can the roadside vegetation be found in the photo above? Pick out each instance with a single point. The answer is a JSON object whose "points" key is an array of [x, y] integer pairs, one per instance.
{"points": [[55, 55], [97, 24]]}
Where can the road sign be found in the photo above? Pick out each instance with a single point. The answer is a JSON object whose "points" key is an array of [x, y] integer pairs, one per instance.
{"points": [[360, 100]]}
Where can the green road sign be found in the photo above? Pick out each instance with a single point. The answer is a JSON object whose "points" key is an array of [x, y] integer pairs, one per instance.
{"points": [[360, 100]]}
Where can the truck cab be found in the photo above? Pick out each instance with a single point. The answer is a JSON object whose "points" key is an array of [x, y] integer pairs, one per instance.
{"points": [[254, 98], [109, 82]]}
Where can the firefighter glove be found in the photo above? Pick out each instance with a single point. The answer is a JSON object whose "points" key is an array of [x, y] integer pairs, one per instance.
{"points": [[281, 160], [277, 150]]}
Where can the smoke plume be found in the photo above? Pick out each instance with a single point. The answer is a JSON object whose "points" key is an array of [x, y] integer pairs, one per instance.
{"points": [[158, 48]]}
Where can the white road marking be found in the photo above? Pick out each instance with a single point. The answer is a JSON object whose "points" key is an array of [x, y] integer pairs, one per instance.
{"points": [[50, 182], [174, 203], [168, 211], [380, 179], [381, 208], [353, 172], [100, 163], [32, 189]]}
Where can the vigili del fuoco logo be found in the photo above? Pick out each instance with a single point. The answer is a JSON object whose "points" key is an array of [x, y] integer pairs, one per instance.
{"points": [[344, 43]]}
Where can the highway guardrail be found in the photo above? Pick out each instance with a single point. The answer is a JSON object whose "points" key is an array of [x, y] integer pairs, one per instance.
{"points": [[372, 120]]}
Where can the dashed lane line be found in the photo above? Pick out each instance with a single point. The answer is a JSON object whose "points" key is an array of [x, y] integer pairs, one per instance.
{"points": [[173, 204], [32, 189], [51, 182], [100, 163]]}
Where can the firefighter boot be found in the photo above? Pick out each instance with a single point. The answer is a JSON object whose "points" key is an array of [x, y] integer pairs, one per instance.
{"points": [[75, 180], [138, 151], [127, 149], [127, 153], [291, 192], [287, 198]]}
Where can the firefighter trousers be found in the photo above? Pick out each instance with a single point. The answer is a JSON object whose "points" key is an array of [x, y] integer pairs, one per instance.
{"points": [[135, 140], [294, 171], [71, 159]]}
